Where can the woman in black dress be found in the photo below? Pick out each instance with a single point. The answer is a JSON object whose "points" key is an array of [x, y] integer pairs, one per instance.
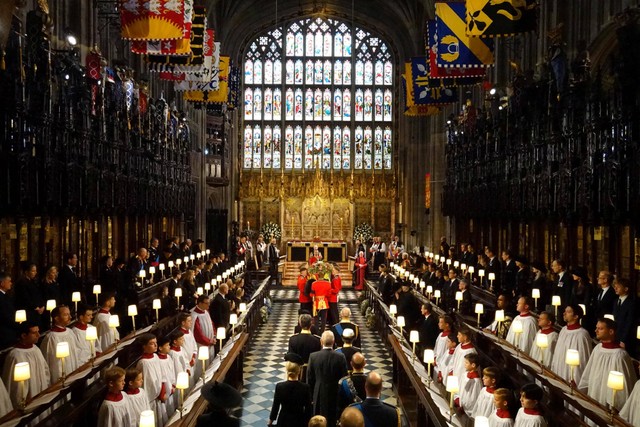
{"points": [[292, 405]]}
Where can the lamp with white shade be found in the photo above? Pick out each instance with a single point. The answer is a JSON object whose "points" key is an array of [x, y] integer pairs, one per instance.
{"points": [[429, 359], [393, 309], [458, 298], [492, 277], [114, 322], [233, 321], [517, 327], [414, 337], [203, 354], [97, 290], [75, 298], [471, 269], [62, 352], [142, 274], [456, 264], [178, 294], [572, 358], [400, 323], [556, 301], [542, 341], [161, 267], [182, 383], [463, 267], [200, 290], [152, 272], [147, 418], [429, 291], [481, 421], [22, 373], [479, 310], [133, 312], [178, 262], [170, 266], [21, 316], [157, 305], [615, 382], [436, 294], [535, 294], [452, 387], [243, 307], [91, 335], [221, 334]]}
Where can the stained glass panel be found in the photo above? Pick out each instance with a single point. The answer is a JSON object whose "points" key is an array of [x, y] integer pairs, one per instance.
{"points": [[268, 100], [267, 147], [327, 56], [277, 147]]}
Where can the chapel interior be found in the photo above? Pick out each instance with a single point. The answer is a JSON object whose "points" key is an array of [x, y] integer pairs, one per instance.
{"points": [[321, 119]]}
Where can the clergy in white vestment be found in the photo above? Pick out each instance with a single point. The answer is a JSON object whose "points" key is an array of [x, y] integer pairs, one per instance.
{"points": [[26, 351], [85, 315], [501, 417], [529, 415], [630, 412], [114, 410], [470, 384], [546, 321], [168, 367], [155, 380], [441, 347], [5, 401], [465, 347], [203, 330], [523, 340], [607, 356], [60, 333], [573, 336], [180, 363], [106, 335]]}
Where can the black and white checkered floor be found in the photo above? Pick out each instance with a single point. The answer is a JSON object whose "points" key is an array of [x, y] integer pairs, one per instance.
{"points": [[264, 363]]}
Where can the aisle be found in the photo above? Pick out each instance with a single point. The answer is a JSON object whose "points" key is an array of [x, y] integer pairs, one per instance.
{"points": [[264, 363]]}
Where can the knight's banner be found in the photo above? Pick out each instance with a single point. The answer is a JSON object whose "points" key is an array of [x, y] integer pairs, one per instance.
{"points": [[491, 18], [416, 110], [170, 47], [152, 19], [452, 76], [219, 96], [418, 90], [455, 47]]}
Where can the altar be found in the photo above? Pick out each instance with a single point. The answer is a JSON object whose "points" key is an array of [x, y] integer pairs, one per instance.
{"points": [[335, 251]]}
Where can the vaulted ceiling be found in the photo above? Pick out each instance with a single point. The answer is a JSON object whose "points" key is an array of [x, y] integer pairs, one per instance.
{"points": [[400, 22]]}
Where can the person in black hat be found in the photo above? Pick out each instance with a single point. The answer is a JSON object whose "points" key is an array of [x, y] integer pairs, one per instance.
{"points": [[582, 289], [523, 277], [539, 273], [292, 405], [222, 399]]}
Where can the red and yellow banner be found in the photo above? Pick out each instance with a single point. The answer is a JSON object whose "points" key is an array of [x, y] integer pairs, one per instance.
{"points": [[152, 19]]}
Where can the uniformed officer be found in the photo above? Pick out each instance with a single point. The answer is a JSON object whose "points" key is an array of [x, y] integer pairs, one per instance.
{"points": [[346, 323], [347, 348], [377, 413]]}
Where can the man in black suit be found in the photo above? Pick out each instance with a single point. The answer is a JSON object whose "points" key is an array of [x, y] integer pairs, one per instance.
{"points": [[326, 367], [8, 326], [220, 309], [602, 302], [304, 343], [377, 413], [509, 273], [564, 283], [274, 259], [624, 313], [493, 266], [69, 279], [407, 304], [428, 329], [450, 289]]}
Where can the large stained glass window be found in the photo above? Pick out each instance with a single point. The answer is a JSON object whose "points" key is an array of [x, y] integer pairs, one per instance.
{"points": [[318, 94]]}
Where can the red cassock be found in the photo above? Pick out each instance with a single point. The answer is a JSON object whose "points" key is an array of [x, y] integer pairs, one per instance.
{"points": [[302, 282], [361, 263], [321, 289]]}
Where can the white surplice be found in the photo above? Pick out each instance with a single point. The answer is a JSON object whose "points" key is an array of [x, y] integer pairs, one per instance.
{"points": [[576, 338], [528, 335], [40, 375]]}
